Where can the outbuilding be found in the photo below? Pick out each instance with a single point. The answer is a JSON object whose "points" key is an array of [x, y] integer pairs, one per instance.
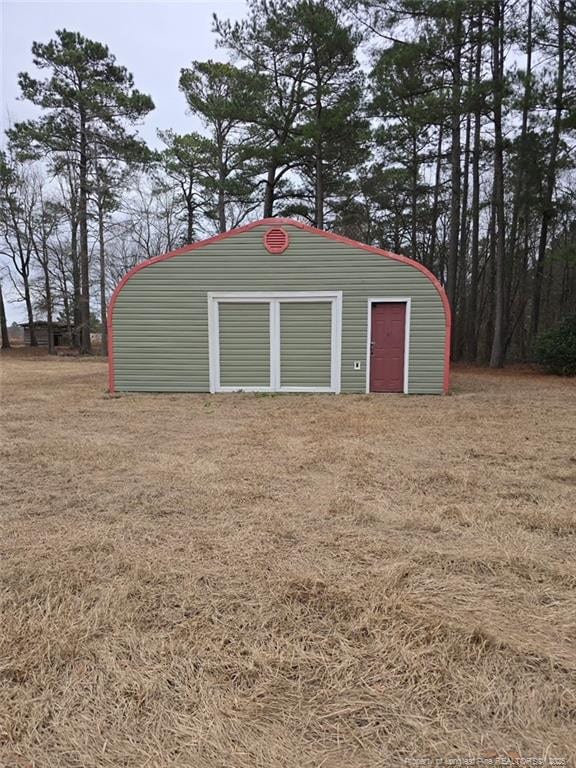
{"points": [[43, 330], [278, 306]]}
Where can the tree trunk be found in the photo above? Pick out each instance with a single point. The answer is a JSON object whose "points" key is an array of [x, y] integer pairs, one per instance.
{"points": [[221, 208], [102, 264], [319, 188], [460, 340], [527, 98], [519, 205], [269, 192], [221, 194], [66, 305], [472, 317], [497, 354], [414, 199], [548, 212], [29, 313], [524, 292], [436, 198], [442, 259], [85, 345], [452, 274], [397, 242], [318, 160], [48, 292], [465, 185], [74, 297], [43, 259], [76, 323], [189, 221], [3, 325], [489, 289]]}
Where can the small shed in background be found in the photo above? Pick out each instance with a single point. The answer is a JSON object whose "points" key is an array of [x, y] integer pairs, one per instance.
{"points": [[16, 334], [59, 331]]}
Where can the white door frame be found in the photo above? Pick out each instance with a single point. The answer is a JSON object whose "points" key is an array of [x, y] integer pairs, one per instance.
{"points": [[274, 299], [389, 300]]}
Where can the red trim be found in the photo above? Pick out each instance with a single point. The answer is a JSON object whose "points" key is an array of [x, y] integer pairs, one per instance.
{"points": [[292, 223]]}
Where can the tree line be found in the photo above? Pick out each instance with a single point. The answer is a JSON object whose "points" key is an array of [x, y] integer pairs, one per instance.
{"points": [[440, 129]]}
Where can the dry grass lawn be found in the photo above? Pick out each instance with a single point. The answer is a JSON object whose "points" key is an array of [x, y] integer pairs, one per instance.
{"points": [[292, 581]]}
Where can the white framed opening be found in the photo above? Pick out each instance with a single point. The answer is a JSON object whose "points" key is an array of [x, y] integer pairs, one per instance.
{"points": [[274, 300], [389, 300]]}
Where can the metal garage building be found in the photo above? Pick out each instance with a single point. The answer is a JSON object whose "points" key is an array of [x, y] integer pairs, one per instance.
{"points": [[277, 306]]}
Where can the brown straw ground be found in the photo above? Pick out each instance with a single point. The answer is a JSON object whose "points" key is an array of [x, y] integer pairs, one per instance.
{"points": [[241, 581]]}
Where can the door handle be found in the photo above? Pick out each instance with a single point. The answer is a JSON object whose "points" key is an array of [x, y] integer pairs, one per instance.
{"points": [[371, 347]]}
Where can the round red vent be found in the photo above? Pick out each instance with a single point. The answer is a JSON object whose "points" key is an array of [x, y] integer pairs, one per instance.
{"points": [[276, 240]]}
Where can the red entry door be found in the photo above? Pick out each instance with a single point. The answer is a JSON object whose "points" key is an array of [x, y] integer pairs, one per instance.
{"points": [[387, 347]]}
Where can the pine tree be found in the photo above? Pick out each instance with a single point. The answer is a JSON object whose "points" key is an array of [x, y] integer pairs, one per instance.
{"points": [[268, 42], [185, 163], [334, 130], [407, 98], [88, 101], [561, 22], [226, 98], [497, 353]]}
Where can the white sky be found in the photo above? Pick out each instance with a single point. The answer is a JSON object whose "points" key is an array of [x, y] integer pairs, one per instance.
{"points": [[153, 40]]}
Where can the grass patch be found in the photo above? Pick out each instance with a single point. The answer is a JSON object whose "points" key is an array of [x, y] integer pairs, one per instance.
{"points": [[242, 581]]}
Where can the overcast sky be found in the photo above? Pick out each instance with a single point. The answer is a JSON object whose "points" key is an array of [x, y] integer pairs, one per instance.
{"points": [[153, 40]]}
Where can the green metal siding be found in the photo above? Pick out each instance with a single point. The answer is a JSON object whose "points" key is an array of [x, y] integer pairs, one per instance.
{"points": [[244, 344], [160, 317], [305, 344]]}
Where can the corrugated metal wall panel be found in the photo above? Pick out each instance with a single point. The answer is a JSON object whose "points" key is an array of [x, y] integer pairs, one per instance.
{"points": [[244, 344], [161, 313], [305, 344]]}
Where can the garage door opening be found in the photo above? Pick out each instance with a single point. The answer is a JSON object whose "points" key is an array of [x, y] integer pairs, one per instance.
{"points": [[280, 342]]}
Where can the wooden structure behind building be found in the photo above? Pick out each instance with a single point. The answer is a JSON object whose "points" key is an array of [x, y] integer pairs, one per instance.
{"points": [[59, 331]]}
